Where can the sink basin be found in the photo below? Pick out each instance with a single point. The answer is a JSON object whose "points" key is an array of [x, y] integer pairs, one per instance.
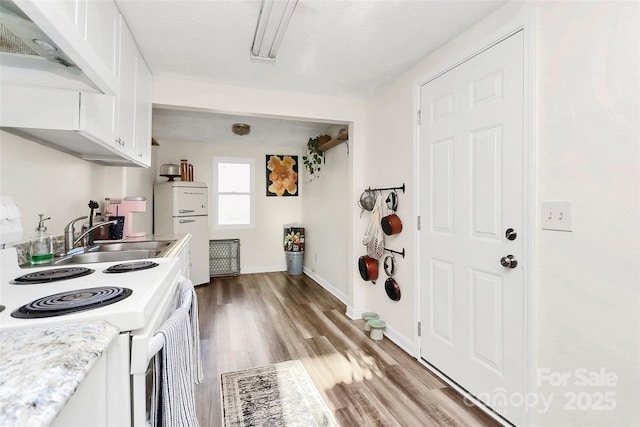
{"points": [[123, 246], [109, 256]]}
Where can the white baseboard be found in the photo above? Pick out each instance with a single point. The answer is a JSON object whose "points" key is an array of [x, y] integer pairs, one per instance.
{"points": [[263, 269], [389, 332], [328, 286], [401, 341], [353, 313]]}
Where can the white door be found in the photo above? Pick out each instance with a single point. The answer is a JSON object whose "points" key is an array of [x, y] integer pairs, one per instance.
{"points": [[471, 186]]}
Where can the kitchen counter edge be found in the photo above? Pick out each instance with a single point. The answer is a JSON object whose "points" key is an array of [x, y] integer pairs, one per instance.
{"points": [[41, 368]]}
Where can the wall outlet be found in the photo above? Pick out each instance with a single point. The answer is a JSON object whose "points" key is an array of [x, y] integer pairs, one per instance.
{"points": [[557, 216]]}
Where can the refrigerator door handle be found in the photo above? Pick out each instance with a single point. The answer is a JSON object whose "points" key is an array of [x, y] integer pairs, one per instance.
{"points": [[184, 221], [186, 211]]}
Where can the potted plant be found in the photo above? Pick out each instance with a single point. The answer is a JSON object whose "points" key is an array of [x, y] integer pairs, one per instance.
{"points": [[315, 156]]}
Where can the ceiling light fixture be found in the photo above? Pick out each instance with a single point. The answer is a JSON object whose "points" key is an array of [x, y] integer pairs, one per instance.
{"points": [[272, 23], [240, 128]]}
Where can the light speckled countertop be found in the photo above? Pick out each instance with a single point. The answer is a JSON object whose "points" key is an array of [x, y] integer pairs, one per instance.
{"points": [[41, 368]]}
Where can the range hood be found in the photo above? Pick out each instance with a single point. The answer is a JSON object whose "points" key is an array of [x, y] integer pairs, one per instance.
{"points": [[29, 57]]}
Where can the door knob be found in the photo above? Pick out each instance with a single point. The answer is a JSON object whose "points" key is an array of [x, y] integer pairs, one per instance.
{"points": [[509, 261], [510, 234]]}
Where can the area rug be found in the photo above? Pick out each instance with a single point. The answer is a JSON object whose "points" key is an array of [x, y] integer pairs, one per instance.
{"points": [[273, 395]]}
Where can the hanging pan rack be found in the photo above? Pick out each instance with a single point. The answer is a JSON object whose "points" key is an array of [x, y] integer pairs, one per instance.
{"points": [[387, 188], [395, 252]]}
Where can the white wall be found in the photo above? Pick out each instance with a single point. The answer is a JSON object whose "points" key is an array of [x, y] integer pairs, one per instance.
{"points": [[586, 284], [260, 247], [326, 205], [588, 137], [139, 182], [43, 180]]}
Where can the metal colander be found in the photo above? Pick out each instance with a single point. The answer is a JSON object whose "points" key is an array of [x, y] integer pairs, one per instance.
{"points": [[367, 200]]}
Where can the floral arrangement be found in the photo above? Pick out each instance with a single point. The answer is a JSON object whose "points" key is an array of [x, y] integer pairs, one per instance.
{"points": [[294, 239]]}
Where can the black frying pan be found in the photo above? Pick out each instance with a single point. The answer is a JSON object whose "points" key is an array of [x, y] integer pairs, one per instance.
{"points": [[392, 288]]}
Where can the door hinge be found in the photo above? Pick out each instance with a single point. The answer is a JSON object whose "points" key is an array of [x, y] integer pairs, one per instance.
{"points": [[419, 117], [419, 222], [419, 329]]}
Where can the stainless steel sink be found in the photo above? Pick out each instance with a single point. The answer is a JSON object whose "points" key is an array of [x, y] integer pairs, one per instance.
{"points": [[108, 256], [123, 246]]}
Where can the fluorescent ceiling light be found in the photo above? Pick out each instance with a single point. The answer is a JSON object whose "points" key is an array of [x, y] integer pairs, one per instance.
{"points": [[272, 23]]}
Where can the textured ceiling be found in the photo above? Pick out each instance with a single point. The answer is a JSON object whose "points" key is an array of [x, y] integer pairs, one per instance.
{"points": [[332, 47], [202, 126]]}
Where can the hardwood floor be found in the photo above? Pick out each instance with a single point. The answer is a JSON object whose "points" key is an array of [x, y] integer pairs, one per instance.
{"points": [[258, 319]]}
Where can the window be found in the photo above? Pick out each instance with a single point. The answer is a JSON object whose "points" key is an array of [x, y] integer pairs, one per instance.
{"points": [[234, 192]]}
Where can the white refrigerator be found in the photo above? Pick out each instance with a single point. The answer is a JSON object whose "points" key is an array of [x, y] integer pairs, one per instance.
{"points": [[183, 207]]}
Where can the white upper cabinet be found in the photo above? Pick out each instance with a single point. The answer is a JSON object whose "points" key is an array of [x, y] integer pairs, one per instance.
{"points": [[143, 112], [126, 116], [133, 124], [108, 119], [101, 31], [80, 124], [97, 23], [86, 31]]}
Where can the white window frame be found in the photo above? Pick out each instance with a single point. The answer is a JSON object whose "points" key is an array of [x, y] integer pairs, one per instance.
{"points": [[252, 194]]}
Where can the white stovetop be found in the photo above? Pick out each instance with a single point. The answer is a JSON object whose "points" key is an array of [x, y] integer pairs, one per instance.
{"points": [[129, 314]]}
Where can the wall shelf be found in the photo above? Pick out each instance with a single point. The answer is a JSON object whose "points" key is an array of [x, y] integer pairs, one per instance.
{"points": [[342, 136]]}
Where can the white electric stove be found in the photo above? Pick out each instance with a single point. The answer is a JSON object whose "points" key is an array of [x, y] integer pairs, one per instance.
{"points": [[145, 299], [141, 291]]}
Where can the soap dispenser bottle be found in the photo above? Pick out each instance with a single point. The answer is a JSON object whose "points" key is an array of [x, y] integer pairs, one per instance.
{"points": [[41, 244]]}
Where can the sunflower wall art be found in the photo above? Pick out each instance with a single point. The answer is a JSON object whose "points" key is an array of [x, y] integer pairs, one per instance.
{"points": [[282, 175]]}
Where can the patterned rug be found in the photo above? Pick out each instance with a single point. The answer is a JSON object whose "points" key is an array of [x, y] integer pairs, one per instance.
{"points": [[273, 395]]}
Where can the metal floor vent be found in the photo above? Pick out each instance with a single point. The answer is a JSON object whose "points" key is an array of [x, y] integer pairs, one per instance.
{"points": [[224, 257]]}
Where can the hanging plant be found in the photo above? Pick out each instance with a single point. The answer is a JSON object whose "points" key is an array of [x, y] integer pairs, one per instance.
{"points": [[315, 156]]}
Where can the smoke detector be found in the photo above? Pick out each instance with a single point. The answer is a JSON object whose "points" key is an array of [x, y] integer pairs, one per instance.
{"points": [[240, 128]]}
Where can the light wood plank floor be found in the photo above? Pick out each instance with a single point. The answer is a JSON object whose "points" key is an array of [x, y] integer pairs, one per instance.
{"points": [[258, 319]]}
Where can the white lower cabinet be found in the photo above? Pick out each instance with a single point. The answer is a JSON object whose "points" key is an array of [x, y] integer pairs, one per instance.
{"points": [[103, 398]]}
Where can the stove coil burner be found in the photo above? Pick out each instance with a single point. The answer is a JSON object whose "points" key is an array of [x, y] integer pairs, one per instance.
{"points": [[71, 302], [131, 266], [54, 275]]}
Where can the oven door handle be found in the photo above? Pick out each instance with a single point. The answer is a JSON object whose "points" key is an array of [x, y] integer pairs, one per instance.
{"points": [[157, 342]]}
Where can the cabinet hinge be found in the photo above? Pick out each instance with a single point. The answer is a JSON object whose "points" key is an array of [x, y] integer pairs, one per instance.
{"points": [[419, 117], [419, 222], [419, 329]]}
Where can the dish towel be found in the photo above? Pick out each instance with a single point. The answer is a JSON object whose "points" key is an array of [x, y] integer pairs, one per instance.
{"points": [[186, 286], [172, 398]]}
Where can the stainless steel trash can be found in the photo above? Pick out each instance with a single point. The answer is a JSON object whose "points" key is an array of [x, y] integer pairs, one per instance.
{"points": [[294, 262]]}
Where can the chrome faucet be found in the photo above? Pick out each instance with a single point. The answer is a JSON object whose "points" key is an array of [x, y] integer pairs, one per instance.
{"points": [[69, 233]]}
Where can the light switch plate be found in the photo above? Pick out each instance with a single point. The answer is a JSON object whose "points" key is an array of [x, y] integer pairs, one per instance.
{"points": [[557, 216]]}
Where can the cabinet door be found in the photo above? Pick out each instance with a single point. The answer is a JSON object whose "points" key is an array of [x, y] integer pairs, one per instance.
{"points": [[74, 10], [97, 117], [143, 113], [125, 126], [101, 31], [87, 32], [97, 23]]}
